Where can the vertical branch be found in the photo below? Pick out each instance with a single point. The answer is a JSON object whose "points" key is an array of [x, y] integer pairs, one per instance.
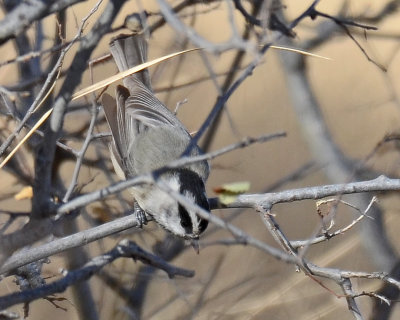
{"points": [[346, 286], [94, 112]]}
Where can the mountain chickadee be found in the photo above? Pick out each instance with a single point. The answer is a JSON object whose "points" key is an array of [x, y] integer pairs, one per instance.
{"points": [[146, 137]]}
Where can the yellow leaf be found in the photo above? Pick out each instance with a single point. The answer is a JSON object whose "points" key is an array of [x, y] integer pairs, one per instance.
{"points": [[226, 199], [227, 193], [25, 193], [234, 187]]}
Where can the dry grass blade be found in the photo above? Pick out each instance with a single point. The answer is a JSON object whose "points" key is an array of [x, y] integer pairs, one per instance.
{"points": [[49, 91], [121, 75], [305, 53], [37, 125]]}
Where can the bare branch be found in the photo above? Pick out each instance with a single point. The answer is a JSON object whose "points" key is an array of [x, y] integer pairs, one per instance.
{"points": [[267, 200], [72, 241], [125, 249], [26, 13], [42, 203], [351, 302]]}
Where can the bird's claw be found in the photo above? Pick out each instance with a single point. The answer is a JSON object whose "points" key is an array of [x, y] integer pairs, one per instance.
{"points": [[140, 214]]}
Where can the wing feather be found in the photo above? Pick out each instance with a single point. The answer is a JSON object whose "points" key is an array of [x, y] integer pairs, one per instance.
{"points": [[144, 106]]}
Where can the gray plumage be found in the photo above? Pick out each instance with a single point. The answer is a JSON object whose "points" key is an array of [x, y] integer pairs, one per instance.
{"points": [[147, 136]]}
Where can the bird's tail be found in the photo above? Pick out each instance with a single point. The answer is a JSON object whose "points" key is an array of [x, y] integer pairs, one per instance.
{"points": [[129, 51]]}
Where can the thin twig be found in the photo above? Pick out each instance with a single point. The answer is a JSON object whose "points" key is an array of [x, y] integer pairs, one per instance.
{"points": [[82, 152]]}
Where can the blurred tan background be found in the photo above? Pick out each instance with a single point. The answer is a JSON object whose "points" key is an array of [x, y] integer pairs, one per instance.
{"points": [[359, 103]]}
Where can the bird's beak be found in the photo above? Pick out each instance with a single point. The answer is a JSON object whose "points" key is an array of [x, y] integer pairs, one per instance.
{"points": [[195, 244]]}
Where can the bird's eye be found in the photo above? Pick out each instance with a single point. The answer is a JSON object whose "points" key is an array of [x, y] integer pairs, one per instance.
{"points": [[185, 223], [185, 220]]}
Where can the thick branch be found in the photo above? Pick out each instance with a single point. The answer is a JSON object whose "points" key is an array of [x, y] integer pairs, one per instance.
{"points": [[125, 249], [267, 200], [69, 242]]}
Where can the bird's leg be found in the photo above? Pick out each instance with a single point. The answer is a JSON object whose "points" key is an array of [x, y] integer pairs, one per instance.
{"points": [[140, 214]]}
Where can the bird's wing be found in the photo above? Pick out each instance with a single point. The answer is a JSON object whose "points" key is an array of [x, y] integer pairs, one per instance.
{"points": [[144, 108]]}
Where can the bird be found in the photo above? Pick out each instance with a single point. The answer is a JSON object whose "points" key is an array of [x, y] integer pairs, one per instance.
{"points": [[147, 136]]}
